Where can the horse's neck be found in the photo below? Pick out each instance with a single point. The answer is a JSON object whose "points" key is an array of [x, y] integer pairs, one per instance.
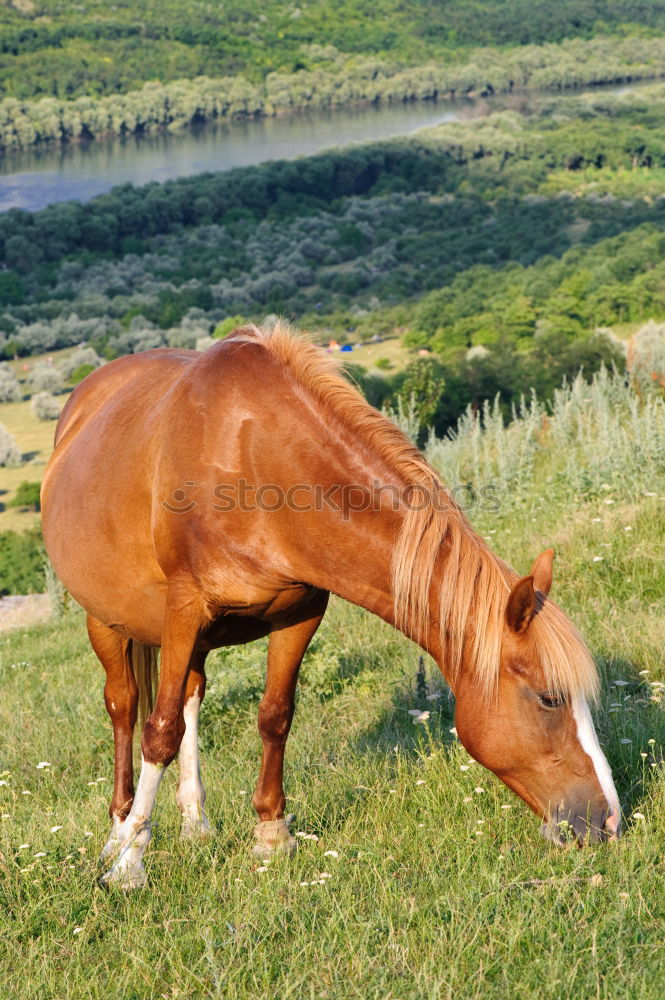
{"points": [[352, 556]]}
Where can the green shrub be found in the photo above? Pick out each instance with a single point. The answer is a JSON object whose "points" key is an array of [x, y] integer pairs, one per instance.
{"points": [[80, 373], [21, 562], [227, 326], [27, 495]]}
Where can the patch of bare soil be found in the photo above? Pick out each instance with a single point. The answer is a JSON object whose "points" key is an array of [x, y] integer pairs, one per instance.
{"points": [[24, 609]]}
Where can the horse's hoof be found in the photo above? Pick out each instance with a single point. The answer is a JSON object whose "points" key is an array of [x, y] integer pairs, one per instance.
{"points": [[124, 877], [199, 829], [273, 837]]}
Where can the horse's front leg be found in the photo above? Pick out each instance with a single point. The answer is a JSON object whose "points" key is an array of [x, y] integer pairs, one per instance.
{"points": [[286, 648], [162, 732], [191, 794]]}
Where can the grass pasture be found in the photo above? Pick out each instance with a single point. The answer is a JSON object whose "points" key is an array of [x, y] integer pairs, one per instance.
{"points": [[439, 884]]}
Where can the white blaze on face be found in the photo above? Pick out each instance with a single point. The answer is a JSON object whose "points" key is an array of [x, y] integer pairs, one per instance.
{"points": [[589, 742]]}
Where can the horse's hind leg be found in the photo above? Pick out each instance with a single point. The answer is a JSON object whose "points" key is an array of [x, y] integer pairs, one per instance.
{"points": [[191, 793], [286, 649], [162, 732], [121, 697]]}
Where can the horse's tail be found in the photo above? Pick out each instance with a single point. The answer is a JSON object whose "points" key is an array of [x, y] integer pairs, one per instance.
{"points": [[146, 671]]}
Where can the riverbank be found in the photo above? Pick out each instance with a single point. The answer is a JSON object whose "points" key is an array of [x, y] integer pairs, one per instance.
{"points": [[348, 82], [34, 178]]}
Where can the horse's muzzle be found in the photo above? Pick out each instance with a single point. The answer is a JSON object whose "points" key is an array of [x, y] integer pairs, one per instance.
{"points": [[581, 825]]}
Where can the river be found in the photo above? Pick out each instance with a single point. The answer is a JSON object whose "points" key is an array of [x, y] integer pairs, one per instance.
{"points": [[78, 171]]}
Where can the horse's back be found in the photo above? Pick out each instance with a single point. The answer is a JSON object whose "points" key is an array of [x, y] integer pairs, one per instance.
{"points": [[135, 380], [129, 435]]}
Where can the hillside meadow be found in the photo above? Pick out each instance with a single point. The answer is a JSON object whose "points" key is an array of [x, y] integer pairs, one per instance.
{"points": [[421, 876]]}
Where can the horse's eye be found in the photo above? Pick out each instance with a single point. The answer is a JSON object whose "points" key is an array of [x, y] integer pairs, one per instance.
{"points": [[550, 700]]}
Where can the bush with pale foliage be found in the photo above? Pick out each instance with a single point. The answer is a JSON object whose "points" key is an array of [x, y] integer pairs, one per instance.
{"points": [[45, 406], [10, 390], [45, 378], [10, 453]]}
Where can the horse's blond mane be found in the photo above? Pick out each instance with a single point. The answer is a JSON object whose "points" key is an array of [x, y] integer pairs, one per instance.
{"points": [[475, 583]]}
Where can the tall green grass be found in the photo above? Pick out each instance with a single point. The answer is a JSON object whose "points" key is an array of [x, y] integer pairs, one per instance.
{"points": [[439, 885]]}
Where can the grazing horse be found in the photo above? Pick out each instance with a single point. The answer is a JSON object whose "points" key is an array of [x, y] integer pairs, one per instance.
{"points": [[198, 500]]}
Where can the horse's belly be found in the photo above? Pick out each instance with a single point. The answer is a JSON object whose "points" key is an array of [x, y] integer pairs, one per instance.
{"points": [[133, 606]]}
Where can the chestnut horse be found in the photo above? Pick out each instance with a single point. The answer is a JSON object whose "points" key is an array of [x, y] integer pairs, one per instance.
{"points": [[198, 500]]}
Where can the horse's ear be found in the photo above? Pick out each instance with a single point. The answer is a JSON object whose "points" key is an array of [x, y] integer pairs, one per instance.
{"points": [[541, 571], [521, 605], [523, 601]]}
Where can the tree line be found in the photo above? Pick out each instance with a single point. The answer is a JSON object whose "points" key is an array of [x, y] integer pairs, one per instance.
{"points": [[61, 50], [334, 80]]}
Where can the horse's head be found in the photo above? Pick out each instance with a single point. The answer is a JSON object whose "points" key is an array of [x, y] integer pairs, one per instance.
{"points": [[536, 734]]}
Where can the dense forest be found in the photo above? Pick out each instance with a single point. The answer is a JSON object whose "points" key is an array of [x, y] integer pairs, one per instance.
{"points": [[334, 81], [80, 73], [64, 50], [500, 246]]}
